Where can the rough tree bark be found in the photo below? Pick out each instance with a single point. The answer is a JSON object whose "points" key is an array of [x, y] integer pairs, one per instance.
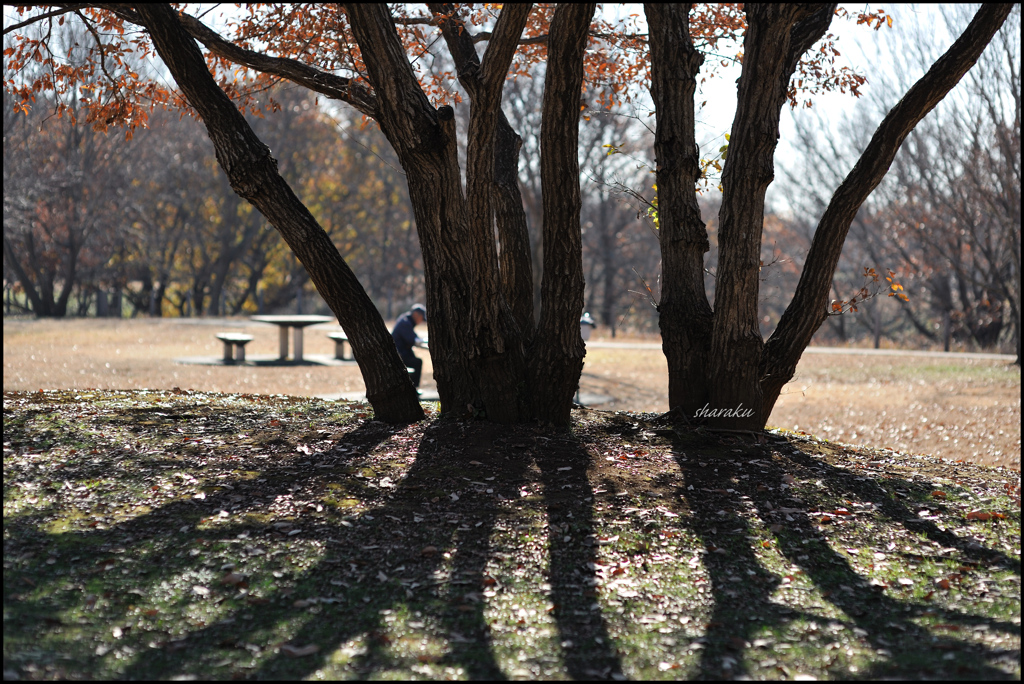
{"points": [[253, 174], [685, 314], [479, 306], [556, 361], [515, 260], [776, 36], [477, 357]]}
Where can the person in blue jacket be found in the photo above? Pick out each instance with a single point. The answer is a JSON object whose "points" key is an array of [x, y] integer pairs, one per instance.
{"points": [[404, 334]]}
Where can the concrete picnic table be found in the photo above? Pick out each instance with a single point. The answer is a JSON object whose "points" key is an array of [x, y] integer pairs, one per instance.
{"points": [[296, 323]]}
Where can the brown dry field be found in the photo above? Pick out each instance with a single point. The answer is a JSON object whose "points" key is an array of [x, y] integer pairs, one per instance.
{"points": [[957, 409]]}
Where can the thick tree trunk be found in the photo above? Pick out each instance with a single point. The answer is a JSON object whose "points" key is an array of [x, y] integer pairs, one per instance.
{"points": [[476, 354], [252, 173], [483, 82], [480, 313], [557, 358], [513, 233], [775, 33], [685, 315], [499, 356], [506, 201], [808, 309], [10, 256], [479, 306]]}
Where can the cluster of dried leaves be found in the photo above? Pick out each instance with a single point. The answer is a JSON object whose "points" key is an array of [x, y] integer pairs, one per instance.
{"points": [[179, 534]]}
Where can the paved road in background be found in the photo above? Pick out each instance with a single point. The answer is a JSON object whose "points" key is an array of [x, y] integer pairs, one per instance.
{"points": [[833, 350]]}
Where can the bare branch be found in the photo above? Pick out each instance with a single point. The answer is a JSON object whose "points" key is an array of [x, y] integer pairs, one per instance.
{"points": [[486, 35], [31, 20], [323, 82], [420, 20]]}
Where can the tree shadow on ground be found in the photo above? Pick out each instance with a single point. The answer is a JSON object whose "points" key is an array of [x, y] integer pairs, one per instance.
{"points": [[456, 604], [418, 555], [432, 570], [720, 490]]}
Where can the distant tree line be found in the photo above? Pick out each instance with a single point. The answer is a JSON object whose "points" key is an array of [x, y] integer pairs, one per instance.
{"points": [[96, 225]]}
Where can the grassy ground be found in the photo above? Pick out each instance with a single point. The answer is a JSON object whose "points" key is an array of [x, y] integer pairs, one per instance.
{"points": [[162, 534], [958, 409]]}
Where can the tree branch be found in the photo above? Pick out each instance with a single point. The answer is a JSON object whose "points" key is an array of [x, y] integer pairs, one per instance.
{"points": [[807, 310], [31, 20], [317, 80], [806, 33], [421, 20], [502, 48], [506, 200], [253, 175]]}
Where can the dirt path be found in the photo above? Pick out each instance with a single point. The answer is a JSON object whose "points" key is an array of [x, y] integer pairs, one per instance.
{"points": [[957, 406]]}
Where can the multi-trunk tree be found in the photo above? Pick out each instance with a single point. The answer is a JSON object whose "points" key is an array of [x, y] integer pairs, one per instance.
{"points": [[717, 357], [490, 356]]}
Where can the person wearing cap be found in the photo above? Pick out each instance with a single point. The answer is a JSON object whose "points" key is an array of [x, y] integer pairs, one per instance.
{"points": [[404, 334]]}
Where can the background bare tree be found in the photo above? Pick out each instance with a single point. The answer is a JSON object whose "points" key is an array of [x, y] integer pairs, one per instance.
{"points": [[64, 185]]}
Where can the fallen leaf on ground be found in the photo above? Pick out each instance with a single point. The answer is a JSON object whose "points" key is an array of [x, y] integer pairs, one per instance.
{"points": [[298, 652], [233, 578]]}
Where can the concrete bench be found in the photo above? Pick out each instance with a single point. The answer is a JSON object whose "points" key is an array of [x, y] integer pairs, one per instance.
{"points": [[234, 342], [340, 339]]}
